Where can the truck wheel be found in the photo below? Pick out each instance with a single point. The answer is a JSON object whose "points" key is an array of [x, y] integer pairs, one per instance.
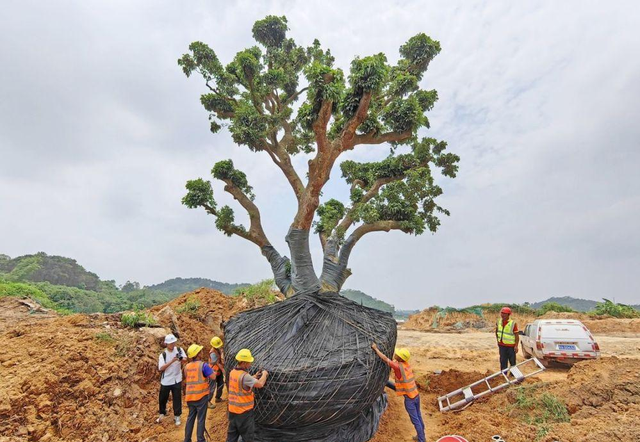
{"points": [[525, 353]]}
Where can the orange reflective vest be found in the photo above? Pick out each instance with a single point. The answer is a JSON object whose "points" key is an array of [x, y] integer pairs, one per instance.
{"points": [[197, 384], [406, 385], [240, 400], [217, 367]]}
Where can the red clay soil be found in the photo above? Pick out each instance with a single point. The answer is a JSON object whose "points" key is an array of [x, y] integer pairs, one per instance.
{"points": [[88, 378]]}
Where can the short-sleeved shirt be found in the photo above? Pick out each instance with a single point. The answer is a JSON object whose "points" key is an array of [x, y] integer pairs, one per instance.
{"points": [[173, 373], [248, 381], [515, 331], [395, 366]]}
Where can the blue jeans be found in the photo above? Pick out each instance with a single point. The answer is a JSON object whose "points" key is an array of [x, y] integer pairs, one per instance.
{"points": [[413, 408]]}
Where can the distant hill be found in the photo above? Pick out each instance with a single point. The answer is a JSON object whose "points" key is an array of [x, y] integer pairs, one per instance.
{"points": [[577, 304], [183, 285], [41, 267], [367, 301]]}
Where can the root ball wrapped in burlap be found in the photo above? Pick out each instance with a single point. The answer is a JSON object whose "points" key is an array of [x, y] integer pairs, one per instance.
{"points": [[325, 383]]}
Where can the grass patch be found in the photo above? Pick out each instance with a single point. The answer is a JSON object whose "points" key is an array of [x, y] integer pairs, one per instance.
{"points": [[190, 307], [540, 410], [104, 337], [124, 346], [137, 318]]}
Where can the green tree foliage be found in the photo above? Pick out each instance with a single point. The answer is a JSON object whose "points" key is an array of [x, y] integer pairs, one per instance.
{"points": [[616, 310], [282, 99], [553, 307], [262, 292]]}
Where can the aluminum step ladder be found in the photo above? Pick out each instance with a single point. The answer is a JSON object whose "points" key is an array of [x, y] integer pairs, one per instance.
{"points": [[465, 395]]}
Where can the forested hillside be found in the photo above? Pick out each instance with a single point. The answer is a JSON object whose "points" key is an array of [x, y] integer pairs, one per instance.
{"points": [[41, 267], [183, 285], [64, 285], [366, 300], [577, 304]]}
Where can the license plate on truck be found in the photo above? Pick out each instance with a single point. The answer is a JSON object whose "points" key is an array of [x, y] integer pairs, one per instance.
{"points": [[566, 347]]}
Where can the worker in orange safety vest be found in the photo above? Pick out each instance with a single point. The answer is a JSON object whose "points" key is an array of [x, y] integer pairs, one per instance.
{"points": [[241, 398], [197, 374], [405, 386]]}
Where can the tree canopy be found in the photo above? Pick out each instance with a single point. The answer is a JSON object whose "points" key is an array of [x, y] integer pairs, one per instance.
{"points": [[282, 99]]}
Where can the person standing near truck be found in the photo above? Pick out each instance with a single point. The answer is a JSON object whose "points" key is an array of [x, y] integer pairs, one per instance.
{"points": [[508, 338]]}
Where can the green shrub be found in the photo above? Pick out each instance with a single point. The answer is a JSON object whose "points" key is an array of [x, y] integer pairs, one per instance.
{"points": [[190, 307], [137, 318], [617, 310], [260, 291], [23, 290], [554, 307]]}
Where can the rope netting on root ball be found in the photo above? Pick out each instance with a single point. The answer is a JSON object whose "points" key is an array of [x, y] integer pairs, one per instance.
{"points": [[325, 383]]}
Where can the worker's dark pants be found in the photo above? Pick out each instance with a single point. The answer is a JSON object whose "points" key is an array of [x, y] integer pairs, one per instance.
{"points": [[176, 394], [241, 425], [215, 387], [196, 409], [507, 356], [413, 408]]}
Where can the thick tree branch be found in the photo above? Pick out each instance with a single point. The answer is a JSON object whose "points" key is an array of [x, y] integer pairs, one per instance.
{"points": [[237, 230], [255, 230], [349, 131], [388, 137]]}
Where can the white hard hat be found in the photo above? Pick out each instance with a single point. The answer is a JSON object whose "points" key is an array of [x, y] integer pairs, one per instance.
{"points": [[170, 339]]}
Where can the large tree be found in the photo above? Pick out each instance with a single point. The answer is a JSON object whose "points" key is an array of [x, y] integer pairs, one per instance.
{"points": [[280, 99]]}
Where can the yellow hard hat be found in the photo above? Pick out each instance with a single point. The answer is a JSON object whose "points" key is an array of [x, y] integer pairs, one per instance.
{"points": [[193, 350], [244, 355], [403, 353], [216, 342]]}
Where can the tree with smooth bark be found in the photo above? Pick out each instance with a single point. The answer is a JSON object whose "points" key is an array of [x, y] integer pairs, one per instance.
{"points": [[280, 99]]}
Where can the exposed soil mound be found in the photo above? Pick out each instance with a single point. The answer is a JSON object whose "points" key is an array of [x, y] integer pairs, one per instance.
{"points": [[434, 319], [87, 377], [447, 381], [602, 398]]}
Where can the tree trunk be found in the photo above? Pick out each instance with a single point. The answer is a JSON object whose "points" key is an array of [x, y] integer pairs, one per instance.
{"points": [[303, 276]]}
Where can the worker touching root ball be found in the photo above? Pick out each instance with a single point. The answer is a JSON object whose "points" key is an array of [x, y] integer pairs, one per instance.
{"points": [[405, 386], [241, 398]]}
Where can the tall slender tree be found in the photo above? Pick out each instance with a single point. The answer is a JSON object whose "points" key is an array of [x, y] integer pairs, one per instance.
{"points": [[280, 99]]}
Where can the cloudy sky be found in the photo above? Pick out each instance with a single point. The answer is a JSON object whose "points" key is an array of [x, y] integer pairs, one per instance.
{"points": [[99, 130]]}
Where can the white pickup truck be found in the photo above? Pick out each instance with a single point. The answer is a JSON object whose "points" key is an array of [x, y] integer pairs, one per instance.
{"points": [[561, 340]]}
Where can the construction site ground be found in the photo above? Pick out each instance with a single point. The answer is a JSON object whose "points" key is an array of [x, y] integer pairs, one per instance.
{"points": [[88, 378]]}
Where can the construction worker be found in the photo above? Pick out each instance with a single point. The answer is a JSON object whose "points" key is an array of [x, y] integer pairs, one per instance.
{"points": [[405, 386], [216, 362], [241, 398], [197, 373], [508, 338], [170, 364]]}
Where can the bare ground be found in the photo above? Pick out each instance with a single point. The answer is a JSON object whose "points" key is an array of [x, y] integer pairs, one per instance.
{"points": [[85, 378]]}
